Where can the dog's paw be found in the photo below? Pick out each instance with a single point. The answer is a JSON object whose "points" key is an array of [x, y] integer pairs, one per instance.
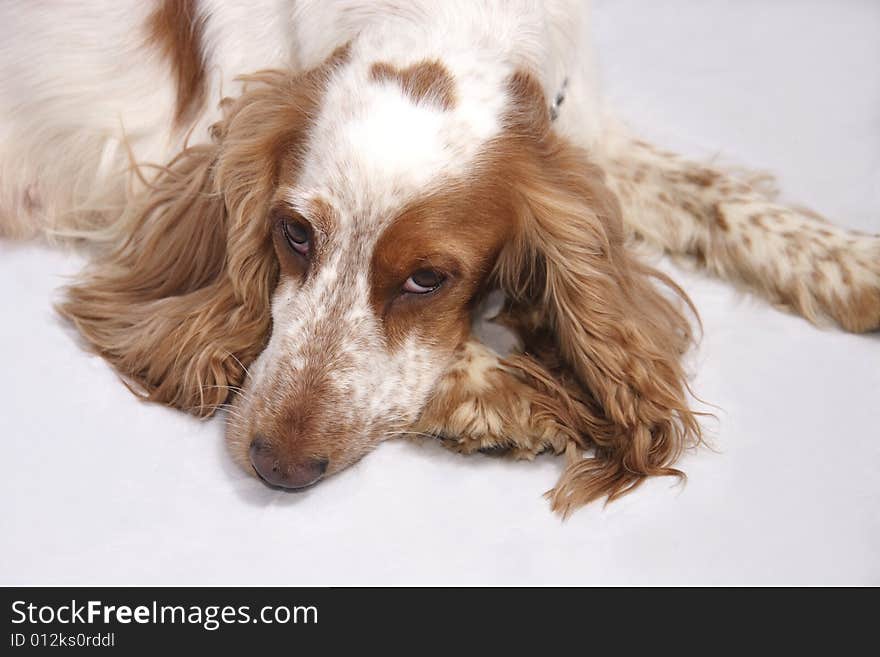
{"points": [[862, 305], [481, 405], [846, 282]]}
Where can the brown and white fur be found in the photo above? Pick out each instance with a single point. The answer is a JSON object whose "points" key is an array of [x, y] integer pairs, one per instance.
{"points": [[270, 191]]}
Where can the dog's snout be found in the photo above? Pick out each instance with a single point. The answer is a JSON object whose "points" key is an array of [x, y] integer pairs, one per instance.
{"points": [[276, 470]]}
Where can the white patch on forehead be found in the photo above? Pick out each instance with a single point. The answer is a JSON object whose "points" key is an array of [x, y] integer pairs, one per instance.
{"points": [[397, 140], [373, 147]]}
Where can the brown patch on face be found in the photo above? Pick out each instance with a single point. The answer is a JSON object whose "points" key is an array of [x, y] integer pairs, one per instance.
{"points": [[456, 233], [176, 28], [425, 82]]}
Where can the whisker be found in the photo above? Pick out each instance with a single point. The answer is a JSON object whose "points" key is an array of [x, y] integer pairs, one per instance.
{"points": [[247, 372], [411, 433], [244, 394], [236, 389], [231, 410]]}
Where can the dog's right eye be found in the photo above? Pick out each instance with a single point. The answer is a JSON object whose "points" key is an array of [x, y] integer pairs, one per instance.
{"points": [[423, 281], [297, 236]]}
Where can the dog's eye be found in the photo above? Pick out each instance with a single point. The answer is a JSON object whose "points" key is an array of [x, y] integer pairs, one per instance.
{"points": [[297, 236], [423, 281]]}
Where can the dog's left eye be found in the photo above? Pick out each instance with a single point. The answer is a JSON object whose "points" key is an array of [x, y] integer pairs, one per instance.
{"points": [[297, 236], [423, 281]]}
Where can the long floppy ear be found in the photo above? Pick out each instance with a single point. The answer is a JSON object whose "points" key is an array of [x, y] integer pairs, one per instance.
{"points": [[170, 307], [181, 304], [593, 314]]}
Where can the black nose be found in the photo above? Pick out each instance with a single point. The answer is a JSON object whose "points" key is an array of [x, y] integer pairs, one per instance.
{"points": [[277, 471]]}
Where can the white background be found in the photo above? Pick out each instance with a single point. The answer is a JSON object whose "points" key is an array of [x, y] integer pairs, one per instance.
{"points": [[99, 488]]}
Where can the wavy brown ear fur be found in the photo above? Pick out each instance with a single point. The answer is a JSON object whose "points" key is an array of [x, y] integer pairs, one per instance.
{"points": [[162, 307], [592, 313], [180, 305]]}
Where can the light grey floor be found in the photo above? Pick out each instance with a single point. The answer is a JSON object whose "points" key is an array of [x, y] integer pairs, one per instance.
{"points": [[101, 489]]}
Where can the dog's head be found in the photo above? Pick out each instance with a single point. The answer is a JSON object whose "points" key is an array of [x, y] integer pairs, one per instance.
{"points": [[326, 252]]}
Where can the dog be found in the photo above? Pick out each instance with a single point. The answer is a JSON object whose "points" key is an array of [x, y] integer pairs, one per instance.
{"points": [[299, 211]]}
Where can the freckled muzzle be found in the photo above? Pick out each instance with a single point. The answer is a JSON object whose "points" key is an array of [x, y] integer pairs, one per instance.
{"points": [[278, 471]]}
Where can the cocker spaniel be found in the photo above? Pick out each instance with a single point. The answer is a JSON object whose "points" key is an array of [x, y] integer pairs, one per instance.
{"points": [[317, 245]]}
